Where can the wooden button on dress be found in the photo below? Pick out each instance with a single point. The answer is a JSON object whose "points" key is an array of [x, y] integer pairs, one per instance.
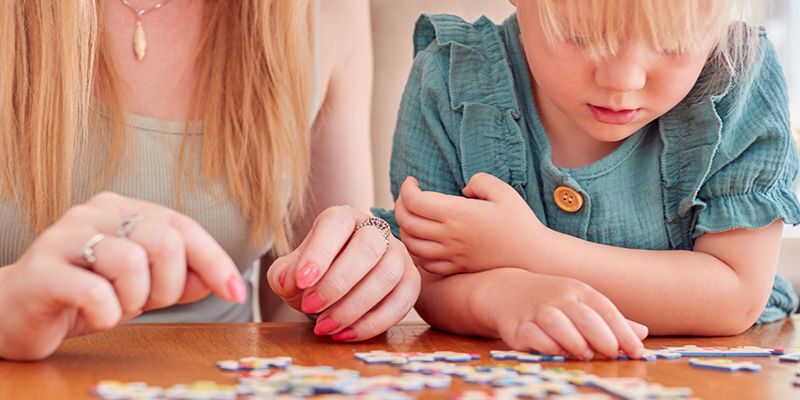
{"points": [[568, 199]]}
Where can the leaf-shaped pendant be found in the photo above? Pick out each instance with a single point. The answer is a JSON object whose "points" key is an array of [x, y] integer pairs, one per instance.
{"points": [[139, 41]]}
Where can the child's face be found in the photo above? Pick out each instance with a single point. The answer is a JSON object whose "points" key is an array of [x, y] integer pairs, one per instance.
{"points": [[605, 99]]}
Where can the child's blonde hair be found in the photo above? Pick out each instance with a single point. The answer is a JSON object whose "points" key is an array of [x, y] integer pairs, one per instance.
{"points": [[254, 96], [601, 26]]}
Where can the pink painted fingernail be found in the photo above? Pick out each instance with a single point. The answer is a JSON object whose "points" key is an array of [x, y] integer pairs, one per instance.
{"points": [[326, 325], [345, 335], [312, 303], [587, 355], [307, 275], [237, 289], [282, 277]]}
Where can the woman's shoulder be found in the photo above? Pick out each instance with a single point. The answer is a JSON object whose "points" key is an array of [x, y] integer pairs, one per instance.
{"points": [[342, 33]]}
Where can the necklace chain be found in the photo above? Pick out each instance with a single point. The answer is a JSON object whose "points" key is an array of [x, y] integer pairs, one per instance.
{"points": [[142, 11]]}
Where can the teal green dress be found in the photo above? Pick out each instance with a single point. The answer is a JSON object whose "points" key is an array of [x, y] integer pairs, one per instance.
{"points": [[725, 162]]}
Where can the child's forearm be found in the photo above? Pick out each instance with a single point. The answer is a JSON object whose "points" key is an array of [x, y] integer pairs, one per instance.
{"points": [[670, 291], [459, 303]]}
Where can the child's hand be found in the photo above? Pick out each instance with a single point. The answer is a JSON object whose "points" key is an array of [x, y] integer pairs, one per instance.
{"points": [[451, 234], [555, 315]]}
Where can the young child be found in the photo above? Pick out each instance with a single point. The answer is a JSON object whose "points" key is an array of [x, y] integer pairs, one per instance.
{"points": [[593, 163]]}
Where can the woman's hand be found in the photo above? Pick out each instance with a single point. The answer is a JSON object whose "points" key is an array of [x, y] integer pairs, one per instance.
{"points": [[555, 315], [490, 228], [103, 263], [358, 283]]}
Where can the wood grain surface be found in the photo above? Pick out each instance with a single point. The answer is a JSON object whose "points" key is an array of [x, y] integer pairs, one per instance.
{"points": [[167, 354]]}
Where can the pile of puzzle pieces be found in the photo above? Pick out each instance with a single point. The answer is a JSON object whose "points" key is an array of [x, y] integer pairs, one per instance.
{"points": [[278, 378]]}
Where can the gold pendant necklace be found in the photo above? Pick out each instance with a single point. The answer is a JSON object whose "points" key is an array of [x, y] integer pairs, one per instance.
{"points": [[139, 38]]}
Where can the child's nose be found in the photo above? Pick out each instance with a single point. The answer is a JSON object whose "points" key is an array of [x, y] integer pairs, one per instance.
{"points": [[624, 72]]}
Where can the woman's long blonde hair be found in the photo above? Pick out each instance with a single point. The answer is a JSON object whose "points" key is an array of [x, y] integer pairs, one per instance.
{"points": [[602, 26], [255, 62]]}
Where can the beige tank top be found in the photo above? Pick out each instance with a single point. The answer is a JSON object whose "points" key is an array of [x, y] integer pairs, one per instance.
{"points": [[147, 172]]}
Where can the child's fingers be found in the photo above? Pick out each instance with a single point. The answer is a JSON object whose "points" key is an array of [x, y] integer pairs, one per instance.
{"points": [[440, 267], [559, 327], [431, 205], [487, 187], [423, 248], [416, 225], [628, 341], [640, 330], [593, 328], [530, 336]]}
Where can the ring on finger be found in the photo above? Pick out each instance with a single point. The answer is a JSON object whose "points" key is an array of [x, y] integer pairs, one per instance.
{"points": [[378, 223], [126, 226], [86, 253]]}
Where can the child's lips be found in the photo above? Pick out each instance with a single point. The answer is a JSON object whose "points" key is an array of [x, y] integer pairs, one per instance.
{"points": [[613, 116]]}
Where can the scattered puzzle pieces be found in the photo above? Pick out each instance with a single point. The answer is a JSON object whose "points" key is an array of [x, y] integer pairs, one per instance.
{"points": [[115, 390], [635, 388], [573, 376], [523, 356], [652, 355], [254, 363], [744, 351], [202, 390], [724, 364], [402, 358], [792, 357]]}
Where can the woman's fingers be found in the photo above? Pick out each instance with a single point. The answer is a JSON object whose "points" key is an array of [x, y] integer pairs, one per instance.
{"points": [[332, 230], [281, 279], [92, 295], [362, 253], [166, 253], [203, 254], [194, 289], [126, 266], [389, 311], [381, 280]]}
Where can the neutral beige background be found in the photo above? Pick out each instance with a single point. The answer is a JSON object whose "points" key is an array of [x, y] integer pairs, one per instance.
{"points": [[392, 29]]}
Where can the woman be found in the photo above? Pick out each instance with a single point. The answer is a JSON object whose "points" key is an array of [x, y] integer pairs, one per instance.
{"points": [[96, 158]]}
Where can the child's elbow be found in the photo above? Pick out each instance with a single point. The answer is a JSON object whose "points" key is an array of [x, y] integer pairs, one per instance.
{"points": [[737, 321]]}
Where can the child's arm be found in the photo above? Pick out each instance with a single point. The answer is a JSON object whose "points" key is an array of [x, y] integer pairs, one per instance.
{"points": [[528, 311], [719, 288]]}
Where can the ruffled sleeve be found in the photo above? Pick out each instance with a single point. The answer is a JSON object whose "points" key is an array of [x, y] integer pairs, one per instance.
{"points": [[459, 113], [730, 162]]}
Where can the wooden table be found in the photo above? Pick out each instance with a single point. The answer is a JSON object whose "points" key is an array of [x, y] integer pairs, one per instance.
{"points": [[164, 355]]}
